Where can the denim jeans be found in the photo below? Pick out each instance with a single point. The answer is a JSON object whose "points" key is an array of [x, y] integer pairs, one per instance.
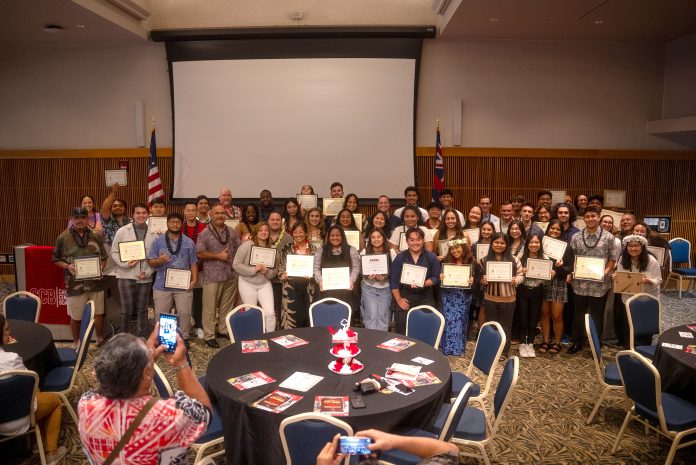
{"points": [[134, 299], [376, 304]]}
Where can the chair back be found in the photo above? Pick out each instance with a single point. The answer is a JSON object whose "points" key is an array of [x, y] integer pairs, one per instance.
{"points": [[87, 316], [455, 414], [593, 337], [329, 312], [22, 305], [681, 251], [82, 352], [17, 391], [303, 436], [245, 322], [164, 389], [506, 386], [425, 324], [643, 312], [641, 381]]}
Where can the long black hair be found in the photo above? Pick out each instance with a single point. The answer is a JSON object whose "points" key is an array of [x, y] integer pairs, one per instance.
{"points": [[326, 250], [371, 225], [507, 253], [643, 258], [413, 209], [458, 228], [540, 254]]}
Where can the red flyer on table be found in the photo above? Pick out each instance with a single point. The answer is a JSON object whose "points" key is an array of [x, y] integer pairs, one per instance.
{"points": [[691, 327], [331, 405], [276, 401], [260, 345], [396, 344], [288, 341], [423, 379], [258, 378]]}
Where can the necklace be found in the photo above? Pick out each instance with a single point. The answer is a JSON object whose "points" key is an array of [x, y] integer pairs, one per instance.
{"points": [[80, 241], [517, 250], [90, 224], [584, 241], [217, 234], [178, 244], [194, 234], [296, 248]]}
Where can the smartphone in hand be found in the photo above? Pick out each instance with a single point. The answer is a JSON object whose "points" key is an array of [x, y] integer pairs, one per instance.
{"points": [[168, 327]]}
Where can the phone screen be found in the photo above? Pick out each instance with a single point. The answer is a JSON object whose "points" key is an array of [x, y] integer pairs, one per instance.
{"points": [[355, 446], [168, 325]]}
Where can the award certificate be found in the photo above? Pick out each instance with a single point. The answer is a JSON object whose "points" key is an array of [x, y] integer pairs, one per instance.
{"points": [[615, 215], [157, 224], [413, 274], [590, 268], [87, 268], [119, 177], [628, 283], [482, 250], [499, 272], [442, 248], [177, 279], [353, 239], [659, 253], [358, 217], [542, 225], [615, 198], [553, 248], [332, 206], [540, 269], [403, 244], [375, 264], [262, 256], [232, 224], [307, 201], [473, 234], [335, 278], [456, 275], [580, 223], [131, 250], [299, 266], [557, 197]]}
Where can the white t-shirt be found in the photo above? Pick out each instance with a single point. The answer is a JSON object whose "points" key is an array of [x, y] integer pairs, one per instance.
{"points": [[10, 361], [396, 234]]}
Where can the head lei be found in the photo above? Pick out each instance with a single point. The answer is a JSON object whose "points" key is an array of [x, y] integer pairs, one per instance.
{"points": [[453, 242], [634, 238]]}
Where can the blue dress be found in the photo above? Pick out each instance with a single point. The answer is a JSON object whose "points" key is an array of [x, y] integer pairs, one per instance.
{"points": [[455, 307]]}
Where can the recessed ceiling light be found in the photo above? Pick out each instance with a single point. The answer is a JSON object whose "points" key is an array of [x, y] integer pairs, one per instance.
{"points": [[598, 21], [53, 28], [80, 26], [494, 20]]}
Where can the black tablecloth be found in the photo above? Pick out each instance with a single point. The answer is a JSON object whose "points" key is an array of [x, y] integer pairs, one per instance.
{"points": [[677, 368], [251, 434], [35, 346]]}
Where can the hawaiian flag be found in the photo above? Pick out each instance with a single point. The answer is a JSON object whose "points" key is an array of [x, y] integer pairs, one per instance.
{"points": [[154, 183], [439, 175]]}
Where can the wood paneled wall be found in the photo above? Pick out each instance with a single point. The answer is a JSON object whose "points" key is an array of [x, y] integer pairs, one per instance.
{"points": [[39, 188]]}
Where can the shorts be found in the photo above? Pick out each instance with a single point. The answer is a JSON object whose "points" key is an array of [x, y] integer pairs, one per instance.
{"points": [[556, 290], [76, 304]]}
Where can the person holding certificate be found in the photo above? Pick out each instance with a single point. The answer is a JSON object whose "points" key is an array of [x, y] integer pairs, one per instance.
{"points": [[255, 261], [517, 237], [336, 253], [456, 299], [480, 250], [376, 296], [530, 294], [656, 240], [134, 275], [94, 221], [173, 256], [501, 273], [346, 220], [291, 214], [450, 229], [410, 217], [590, 289], [315, 224], [298, 286], [352, 203], [113, 215], [413, 294]]}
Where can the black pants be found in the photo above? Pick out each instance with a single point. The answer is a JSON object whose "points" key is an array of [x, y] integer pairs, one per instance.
{"points": [[568, 313], [595, 305], [277, 302], [415, 298], [621, 322], [197, 307], [529, 300], [503, 313]]}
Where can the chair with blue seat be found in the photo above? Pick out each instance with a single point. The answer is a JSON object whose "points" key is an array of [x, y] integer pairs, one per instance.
{"points": [[608, 376], [474, 429], [643, 312], [22, 305], [667, 414], [245, 322], [18, 390], [681, 254], [68, 355], [425, 324], [329, 312], [304, 435]]}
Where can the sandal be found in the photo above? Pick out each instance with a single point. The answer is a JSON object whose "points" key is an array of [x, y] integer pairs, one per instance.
{"points": [[543, 348], [555, 348]]}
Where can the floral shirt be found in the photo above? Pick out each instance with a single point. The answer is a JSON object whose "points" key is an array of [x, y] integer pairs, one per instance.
{"points": [[110, 226], [600, 245], [218, 271], [67, 249]]}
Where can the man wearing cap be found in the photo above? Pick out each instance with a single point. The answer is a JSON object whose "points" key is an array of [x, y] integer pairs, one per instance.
{"points": [[80, 241]]}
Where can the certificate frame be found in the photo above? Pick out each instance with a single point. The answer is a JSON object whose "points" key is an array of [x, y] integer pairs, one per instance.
{"points": [[335, 278], [232, 223], [616, 216], [442, 247], [403, 243], [119, 177], [557, 197], [473, 234], [353, 239], [331, 206], [358, 217], [456, 275], [374, 264], [413, 275], [539, 268], [659, 252], [615, 198], [263, 256], [177, 279], [87, 268], [131, 250], [157, 224], [627, 282], [307, 201], [482, 251], [587, 268], [553, 248], [299, 266], [542, 225], [498, 272]]}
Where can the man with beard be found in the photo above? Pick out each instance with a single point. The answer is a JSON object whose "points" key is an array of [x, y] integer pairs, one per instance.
{"points": [[113, 215], [265, 204]]}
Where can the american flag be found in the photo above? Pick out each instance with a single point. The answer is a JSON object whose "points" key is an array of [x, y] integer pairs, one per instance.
{"points": [[154, 183], [439, 176]]}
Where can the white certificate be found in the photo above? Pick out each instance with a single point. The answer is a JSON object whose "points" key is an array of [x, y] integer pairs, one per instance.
{"points": [[542, 225], [473, 234], [456, 275], [353, 239], [299, 266], [358, 220], [413, 274], [375, 264], [659, 253], [557, 197], [482, 250], [119, 177], [177, 279], [87, 267], [615, 215], [262, 256], [590, 268], [615, 198], [332, 206], [232, 223], [442, 248], [553, 248], [307, 201], [403, 243], [540, 269], [580, 223], [335, 278], [628, 283], [131, 250], [157, 224], [498, 272]]}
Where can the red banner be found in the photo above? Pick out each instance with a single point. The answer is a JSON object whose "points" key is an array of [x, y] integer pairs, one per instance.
{"points": [[46, 280]]}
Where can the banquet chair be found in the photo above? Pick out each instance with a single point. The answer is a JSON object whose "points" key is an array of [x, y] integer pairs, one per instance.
{"points": [[608, 377], [18, 390], [425, 324], [666, 414], [473, 429], [681, 253], [68, 355], [304, 435], [643, 312], [329, 312], [245, 322], [443, 428], [22, 305]]}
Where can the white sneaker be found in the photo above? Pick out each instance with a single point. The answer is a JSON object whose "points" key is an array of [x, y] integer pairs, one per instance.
{"points": [[530, 351], [522, 348], [54, 457]]}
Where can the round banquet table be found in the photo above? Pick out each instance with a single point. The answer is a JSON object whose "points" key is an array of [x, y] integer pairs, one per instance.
{"points": [[677, 368], [251, 434], [35, 346]]}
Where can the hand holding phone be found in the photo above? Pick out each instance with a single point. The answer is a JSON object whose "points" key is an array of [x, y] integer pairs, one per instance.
{"points": [[168, 327], [351, 445]]}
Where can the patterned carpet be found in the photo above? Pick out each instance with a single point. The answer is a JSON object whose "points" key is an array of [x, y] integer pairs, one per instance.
{"points": [[544, 425]]}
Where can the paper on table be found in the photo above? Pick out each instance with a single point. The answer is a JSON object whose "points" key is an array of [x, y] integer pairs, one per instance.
{"points": [[422, 360], [686, 334], [300, 381]]}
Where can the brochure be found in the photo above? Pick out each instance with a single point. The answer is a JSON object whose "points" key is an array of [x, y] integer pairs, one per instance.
{"points": [[260, 345], [423, 379], [401, 371], [396, 344], [276, 401], [257, 378], [288, 341], [331, 405]]}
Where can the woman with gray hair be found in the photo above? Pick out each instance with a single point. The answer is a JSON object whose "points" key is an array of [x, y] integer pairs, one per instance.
{"points": [[121, 421]]}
